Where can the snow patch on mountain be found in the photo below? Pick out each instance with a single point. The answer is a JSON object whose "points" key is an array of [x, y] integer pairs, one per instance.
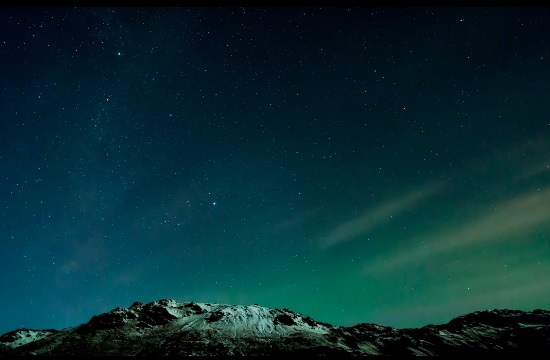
{"points": [[20, 337]]}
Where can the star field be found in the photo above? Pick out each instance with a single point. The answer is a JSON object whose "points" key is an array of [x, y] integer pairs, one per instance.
{"points": [[382, 165]]}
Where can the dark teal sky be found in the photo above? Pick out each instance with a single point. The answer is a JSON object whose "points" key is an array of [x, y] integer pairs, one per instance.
{"points": [[383, 165]]}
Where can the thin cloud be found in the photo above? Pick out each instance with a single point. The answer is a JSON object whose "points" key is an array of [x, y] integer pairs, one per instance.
{"points": [[536, 170], [531, 158], [512, 217], [296, 220], [378, 215], [517, 295]]}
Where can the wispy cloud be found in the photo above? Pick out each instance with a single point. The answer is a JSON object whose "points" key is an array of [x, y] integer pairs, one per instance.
{"points": [[513, 216], [378, 215], [296, 220], [531, 158], [86, 256], [535, 170], [486, 293]]}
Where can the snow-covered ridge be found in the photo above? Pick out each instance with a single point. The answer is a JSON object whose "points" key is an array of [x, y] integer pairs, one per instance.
{"points": [[233, 320], [20, 337]]}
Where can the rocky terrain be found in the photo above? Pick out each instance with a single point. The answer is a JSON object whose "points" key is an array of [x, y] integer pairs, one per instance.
{"points": [[167, 327]]}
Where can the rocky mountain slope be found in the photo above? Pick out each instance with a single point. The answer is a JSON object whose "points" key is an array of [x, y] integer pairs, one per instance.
{"points": [[167, 327]]}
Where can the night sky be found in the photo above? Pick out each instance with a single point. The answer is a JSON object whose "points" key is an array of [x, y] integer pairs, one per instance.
{"points": [[382, 165]]}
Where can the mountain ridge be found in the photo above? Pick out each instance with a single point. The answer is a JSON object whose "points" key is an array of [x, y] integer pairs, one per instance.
{"points": [[168, 327]]}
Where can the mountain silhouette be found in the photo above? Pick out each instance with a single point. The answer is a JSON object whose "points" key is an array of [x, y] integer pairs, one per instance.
{"points": [[168, 327]]}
